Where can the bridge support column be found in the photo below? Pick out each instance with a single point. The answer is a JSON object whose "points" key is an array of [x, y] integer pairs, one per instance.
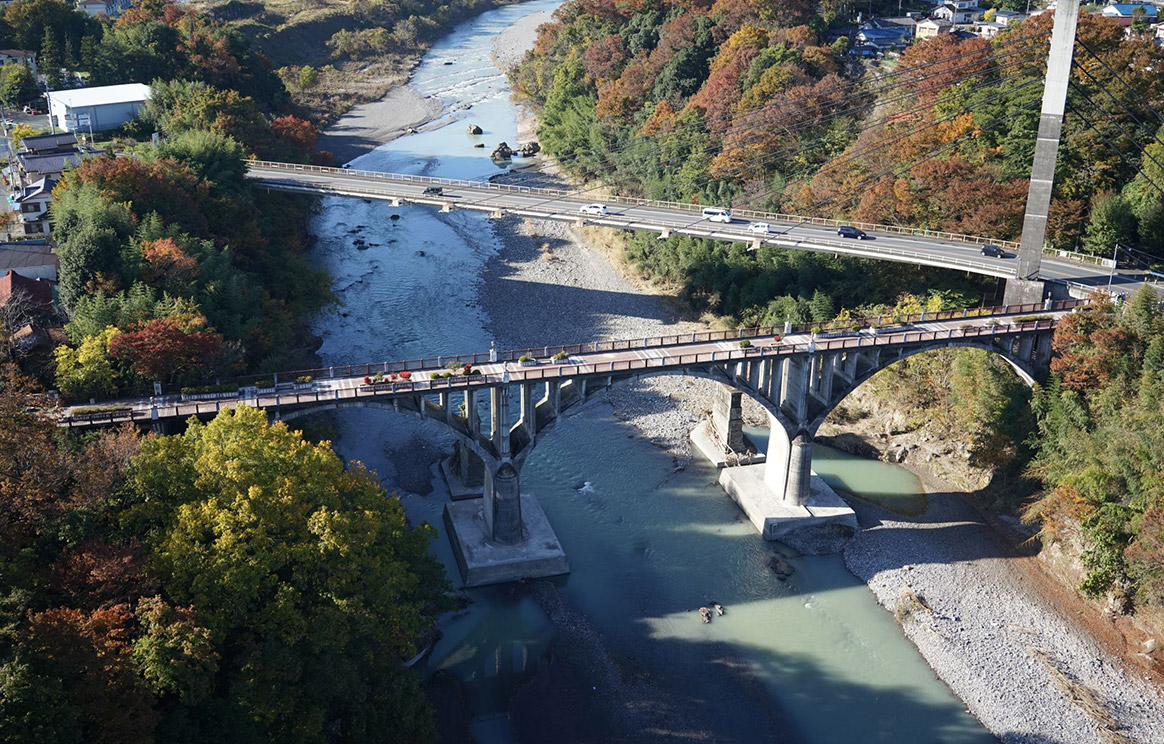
{"points": [[796, 488], [464, 473], [1046, 154], [1042, 356], [529, 416], [499, 420], [502, 505], [727, 419]]}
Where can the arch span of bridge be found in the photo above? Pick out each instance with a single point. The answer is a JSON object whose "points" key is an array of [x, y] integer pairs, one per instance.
{"points": [[499, 414]]}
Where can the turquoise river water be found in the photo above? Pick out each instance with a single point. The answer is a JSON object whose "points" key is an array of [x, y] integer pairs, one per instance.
{"points": [[811, 659]]}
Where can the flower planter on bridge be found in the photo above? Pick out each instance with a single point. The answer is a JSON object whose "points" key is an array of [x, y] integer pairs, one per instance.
{"points": [[527, 362], [209, 396]]}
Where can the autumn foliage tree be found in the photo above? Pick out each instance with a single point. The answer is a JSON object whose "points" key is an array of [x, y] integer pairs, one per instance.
{"points": [[164, 348]]}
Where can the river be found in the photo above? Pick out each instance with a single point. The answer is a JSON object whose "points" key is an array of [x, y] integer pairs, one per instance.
{"points": [[813, 658]]}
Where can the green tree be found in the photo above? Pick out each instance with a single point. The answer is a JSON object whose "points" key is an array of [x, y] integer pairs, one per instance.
{"points": [[88, 370], [304, 572], [1111, 222], [51, 60], [308, 77], [17, 84]]}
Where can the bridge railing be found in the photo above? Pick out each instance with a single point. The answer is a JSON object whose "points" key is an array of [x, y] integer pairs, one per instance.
{"points": [[566, 369], [694, 209]]}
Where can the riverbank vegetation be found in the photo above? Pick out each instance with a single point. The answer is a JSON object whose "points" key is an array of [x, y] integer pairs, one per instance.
{"points": [[334, 54], [173, 267], [232, 583]]}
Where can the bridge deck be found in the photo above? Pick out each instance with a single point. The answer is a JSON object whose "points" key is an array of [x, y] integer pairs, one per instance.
{"points": [[349, 383]]}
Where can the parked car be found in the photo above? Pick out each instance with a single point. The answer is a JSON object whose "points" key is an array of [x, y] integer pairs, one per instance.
{"points": [[433, 191], [594, 209], [760, 227], [845, 231], [993, 251]]}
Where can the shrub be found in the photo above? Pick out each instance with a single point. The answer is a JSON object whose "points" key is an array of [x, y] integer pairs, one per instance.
{"points": [[815, 330], [855, 327], [777, 338], [745, 343], [87, 410], [367, 380], [560, 356], [524, 358], [267, 382], [405, 375], [453, 365], [474, 372], [303, 380]]}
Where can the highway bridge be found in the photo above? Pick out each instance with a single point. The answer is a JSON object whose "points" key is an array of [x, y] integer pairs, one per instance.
{"points": [[885, 242]]}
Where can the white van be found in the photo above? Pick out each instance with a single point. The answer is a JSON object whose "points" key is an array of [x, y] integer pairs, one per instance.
{"points": [[716, 214]]}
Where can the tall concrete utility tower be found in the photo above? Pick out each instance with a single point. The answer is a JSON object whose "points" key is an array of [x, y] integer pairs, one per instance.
{"points": [[1026, 286]]}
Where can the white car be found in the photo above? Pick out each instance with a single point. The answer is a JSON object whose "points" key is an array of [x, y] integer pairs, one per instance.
{"points": [[759, 227], [594, 209]]}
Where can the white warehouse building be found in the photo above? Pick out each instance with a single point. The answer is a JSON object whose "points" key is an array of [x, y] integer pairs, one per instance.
{"points": [[103, 107]]}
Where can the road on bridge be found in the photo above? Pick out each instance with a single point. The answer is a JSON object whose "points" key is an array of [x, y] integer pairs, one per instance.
{"points": [[905, 245]]}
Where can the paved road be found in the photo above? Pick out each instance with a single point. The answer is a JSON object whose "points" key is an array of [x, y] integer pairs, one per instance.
{"points": [[348, 382], [915, 247]]}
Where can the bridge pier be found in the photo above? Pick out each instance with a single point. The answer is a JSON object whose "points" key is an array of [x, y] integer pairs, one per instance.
{"points": [[505, 535]]}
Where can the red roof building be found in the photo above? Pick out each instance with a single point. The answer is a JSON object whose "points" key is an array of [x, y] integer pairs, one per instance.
{"points": [[39, 291]]}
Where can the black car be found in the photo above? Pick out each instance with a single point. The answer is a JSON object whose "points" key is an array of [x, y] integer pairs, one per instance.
{"points": [[851, 232], [433, 191], [993, 251]]}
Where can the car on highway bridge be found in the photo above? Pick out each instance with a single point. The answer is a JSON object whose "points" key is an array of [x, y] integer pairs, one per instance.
{"points": [[762, 228], [993, 251], [594, 209], [433, 191], [846, 231]]}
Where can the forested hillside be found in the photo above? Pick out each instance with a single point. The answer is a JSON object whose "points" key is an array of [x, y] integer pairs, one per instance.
{"points": [[1100, 445], [232, 584], [743, 103]]}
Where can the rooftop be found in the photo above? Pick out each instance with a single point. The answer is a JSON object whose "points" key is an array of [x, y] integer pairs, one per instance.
{"points": [[54, 162], [43, 142], [25, 253], [38, 290], [103, 94], [37, 188], [1127, 9]]}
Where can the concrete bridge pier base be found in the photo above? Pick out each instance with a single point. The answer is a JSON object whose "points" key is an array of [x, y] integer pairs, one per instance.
{"points": [[798, 484], [1023, 291], [504, 536], [721, 438], [464, 473]]}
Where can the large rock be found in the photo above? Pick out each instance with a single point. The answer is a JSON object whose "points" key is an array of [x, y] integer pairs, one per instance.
{"points": [[474, 129], [529, 149], [501, 152]]}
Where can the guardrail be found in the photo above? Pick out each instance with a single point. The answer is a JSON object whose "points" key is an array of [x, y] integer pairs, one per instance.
{"points": [[569, 368], [694, 209], [860, 249]]}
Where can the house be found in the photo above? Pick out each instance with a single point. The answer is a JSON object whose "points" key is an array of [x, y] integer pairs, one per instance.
{"points": [[1125, 14], [1008, 17], [92, 7], [989, 29], [931, 27], [954, 14], [1158, 32], [47, 144], [32, 206], [103, 107], [32, 258], [20, 57], [38, 293], [883, 39], [35, 167]]}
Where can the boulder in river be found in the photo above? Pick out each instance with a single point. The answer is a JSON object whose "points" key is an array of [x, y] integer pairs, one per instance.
{"points": [[501, 152], [529, 149], [474, 129], [782, 568], [479, 144]]}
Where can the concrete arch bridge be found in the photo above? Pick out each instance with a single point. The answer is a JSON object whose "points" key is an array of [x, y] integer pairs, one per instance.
{"points": [[498, 413]]}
